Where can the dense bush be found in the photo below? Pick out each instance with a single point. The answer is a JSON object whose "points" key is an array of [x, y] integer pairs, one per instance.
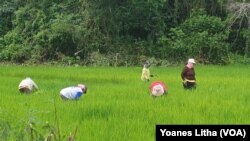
{"points": [[201, 36], [116, 33]]}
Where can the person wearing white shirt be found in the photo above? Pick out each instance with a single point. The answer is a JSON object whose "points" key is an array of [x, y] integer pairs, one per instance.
{"points": [[73, 92], [27, 85]]}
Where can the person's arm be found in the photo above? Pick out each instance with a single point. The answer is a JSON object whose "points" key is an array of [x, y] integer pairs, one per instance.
{"points": [[76, 93], [183, 73], [34, 84], [20, 85], [194, 76]]}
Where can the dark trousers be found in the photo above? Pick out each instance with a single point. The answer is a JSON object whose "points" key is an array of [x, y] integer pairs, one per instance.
{"points": [[189, 85]]}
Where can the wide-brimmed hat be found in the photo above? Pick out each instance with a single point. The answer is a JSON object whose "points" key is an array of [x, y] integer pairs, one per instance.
{"points": [[191, 60]]}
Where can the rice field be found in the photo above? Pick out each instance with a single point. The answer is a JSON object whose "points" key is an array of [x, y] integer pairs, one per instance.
{"points": [[118, 106]]}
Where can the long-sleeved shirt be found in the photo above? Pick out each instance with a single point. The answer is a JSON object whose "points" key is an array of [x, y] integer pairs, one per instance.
{"points": [[158, 88], [28, 83], [155, 83], [71, 92], [188, 73]]}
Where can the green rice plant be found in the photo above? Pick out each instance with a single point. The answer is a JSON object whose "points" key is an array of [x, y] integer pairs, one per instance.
{"points": [[118, 105], [4, 130]]}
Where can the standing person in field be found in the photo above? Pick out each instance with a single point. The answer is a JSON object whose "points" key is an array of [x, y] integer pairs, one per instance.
{"points": [[145, 76], [188, 75], [27, 85], [158, 88], [73, 92]]}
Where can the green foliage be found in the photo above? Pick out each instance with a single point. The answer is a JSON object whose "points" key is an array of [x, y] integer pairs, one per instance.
{"points": [[4, 130], [173, 46], [239, 59], [202, 37], [246, 35], [13, 49], [169, 31], [199, 21], [6, 11], [28, 21]]}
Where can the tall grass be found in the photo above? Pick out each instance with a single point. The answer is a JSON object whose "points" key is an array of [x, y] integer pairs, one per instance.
{"points": [[117, 105]]}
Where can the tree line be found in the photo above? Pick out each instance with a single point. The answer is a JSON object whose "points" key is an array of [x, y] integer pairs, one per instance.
{"points": [[124, 32]]}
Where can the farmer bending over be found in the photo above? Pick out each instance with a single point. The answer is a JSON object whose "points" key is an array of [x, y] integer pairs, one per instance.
{"points": [[27, 85], [158, 88], [73, 92]]}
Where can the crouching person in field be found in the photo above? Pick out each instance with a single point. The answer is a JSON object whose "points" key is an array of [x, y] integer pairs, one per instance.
{"points": [[27, 85], [73, 92], [158, 88]]}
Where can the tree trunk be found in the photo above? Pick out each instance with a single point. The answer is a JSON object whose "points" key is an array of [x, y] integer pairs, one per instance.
{"points": [[247, 41]]}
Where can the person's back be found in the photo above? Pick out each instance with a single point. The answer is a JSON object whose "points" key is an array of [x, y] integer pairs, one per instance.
{"points": [[27, 85], [73, 92], [158, 88]]}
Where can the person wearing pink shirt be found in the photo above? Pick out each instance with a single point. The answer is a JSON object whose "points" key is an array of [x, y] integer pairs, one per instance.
{"points": [[158, 88]]}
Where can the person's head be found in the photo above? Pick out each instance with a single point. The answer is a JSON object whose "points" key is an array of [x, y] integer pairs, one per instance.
{"points": [[146, 65], [157, 90], [24, 90], [191, 62], [83, 87]]}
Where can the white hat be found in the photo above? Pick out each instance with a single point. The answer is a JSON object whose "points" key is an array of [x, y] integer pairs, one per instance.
{"points": [[158, 90], [191, 60], [82, 86]]}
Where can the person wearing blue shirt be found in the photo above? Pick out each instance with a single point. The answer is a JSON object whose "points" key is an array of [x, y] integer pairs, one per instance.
{"points": [[73, 92]]}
